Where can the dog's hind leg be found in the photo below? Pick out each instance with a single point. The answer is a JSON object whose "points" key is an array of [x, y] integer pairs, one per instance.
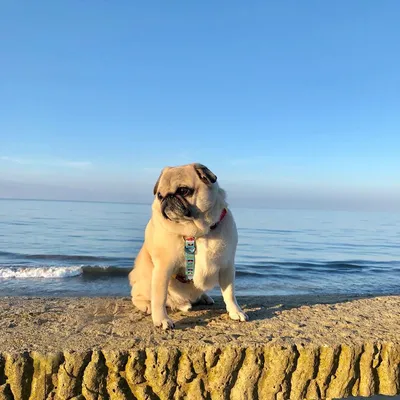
{"points": [[140, 281], [182, 305], [181, 296], [205, 299], [142, 305]]}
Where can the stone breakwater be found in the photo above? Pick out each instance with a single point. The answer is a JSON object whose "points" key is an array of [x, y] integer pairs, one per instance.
{"points": [[293, 348]]}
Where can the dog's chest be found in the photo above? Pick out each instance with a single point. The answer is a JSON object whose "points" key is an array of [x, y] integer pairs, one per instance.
{"points": [[211, 255]]}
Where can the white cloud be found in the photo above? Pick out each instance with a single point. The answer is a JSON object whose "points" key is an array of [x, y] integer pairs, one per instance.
{"points": [[76, 164], [14, 160], [249, 161], [154, 170], [48, 162]]}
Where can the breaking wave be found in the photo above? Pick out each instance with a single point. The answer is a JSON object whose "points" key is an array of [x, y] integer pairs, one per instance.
{"points": [[60, 272]]}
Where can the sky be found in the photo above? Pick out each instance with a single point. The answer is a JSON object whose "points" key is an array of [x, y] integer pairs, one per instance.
{"points": [[291, 104]]}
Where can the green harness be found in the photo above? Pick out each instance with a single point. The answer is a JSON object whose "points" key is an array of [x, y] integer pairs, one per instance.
{"points": [[190, 251]]}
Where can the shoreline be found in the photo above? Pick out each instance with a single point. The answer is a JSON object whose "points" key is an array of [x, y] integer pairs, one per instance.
{"points": [[294, 347]]}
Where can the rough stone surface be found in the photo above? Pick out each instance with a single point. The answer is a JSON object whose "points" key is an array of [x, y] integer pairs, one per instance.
{"points": [[293, 348]]}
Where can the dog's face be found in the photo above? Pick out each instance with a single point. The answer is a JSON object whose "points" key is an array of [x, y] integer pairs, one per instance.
{"points": [[185, 192]]}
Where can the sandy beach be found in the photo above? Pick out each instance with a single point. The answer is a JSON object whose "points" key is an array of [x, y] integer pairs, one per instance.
{"points": [[58, 324]]}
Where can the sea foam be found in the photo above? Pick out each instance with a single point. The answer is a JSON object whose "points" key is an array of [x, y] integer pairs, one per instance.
{"points": [[39, 272]]}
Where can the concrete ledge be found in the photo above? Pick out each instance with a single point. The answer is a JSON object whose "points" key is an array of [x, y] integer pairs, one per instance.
{"points": [[293, 348]]}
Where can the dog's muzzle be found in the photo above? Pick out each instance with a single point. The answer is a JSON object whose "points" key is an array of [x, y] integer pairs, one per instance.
{"points": [[174, 206]]}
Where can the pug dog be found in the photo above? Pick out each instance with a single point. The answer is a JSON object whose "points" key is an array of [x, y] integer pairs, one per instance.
{"points": [[188, 207]]}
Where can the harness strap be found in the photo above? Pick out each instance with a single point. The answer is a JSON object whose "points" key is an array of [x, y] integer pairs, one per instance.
{"points": [[190, 251]]}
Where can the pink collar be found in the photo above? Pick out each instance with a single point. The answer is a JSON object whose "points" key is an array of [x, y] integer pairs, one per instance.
{"points": [[221, 217]]}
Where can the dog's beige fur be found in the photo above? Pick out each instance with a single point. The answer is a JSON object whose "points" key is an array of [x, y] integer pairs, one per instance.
{"points": [[162, 255]]}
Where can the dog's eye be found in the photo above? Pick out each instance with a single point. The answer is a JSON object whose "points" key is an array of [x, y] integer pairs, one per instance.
{"points": [[184, 191], [159, 196]]}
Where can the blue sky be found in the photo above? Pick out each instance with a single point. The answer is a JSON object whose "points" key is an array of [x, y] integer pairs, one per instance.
{"points": [[291, 104]]}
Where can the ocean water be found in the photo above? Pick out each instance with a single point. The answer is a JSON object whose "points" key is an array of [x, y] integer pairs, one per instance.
{"points": [[56, 248]]}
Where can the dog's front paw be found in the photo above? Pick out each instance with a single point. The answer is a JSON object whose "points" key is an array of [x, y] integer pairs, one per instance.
{"points": [[165, 323], [238, 315]]}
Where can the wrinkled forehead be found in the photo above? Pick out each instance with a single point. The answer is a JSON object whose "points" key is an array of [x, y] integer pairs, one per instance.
{"points": [[178, 176]]}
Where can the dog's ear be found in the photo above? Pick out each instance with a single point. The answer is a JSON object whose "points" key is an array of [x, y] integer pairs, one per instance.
{"points": [[155, 189], [205, 174]]}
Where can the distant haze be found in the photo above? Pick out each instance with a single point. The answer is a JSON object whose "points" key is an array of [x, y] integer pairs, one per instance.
{"points": [[238, 195]]}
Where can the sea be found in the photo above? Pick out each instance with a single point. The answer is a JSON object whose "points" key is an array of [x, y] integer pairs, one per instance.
{"points": [[64, 248]]}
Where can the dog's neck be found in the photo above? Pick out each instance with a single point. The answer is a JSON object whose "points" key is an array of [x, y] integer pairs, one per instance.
{"points": [[199, 227], [203, 224]]}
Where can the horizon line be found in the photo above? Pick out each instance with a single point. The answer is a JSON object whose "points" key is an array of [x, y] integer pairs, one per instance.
{"points": [[73, 201], [238, 207]]}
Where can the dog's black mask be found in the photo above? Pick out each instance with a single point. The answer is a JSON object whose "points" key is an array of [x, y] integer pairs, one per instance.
{"points": [[175, 205]]}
